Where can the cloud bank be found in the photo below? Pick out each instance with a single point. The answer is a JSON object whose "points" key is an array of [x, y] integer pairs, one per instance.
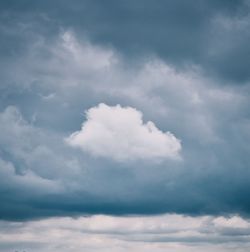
{"points": [[119, 133], [61, 74], [43, 103], [175, 233]]}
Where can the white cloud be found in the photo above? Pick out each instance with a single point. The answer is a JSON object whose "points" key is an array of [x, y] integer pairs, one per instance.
{"points": [[233, 222], [170, 232], [119, 133]]}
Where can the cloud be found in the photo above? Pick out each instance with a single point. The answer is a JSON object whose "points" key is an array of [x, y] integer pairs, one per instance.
{"points": [[119, 133], [57, 77], [169, 232], [56, 64], [159, 29]]}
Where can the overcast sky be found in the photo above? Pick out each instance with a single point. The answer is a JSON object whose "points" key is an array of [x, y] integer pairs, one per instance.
{"points": [[125, 125]]}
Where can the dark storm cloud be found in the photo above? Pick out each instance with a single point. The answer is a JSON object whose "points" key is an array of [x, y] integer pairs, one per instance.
{"points": [[179, 32], [58, 60]]}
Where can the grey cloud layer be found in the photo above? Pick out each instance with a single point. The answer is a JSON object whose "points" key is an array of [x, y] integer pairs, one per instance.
{"points": [[105, 233], [213, 34], [44, 93]]}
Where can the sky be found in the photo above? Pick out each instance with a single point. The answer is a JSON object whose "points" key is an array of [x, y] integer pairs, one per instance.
{"points": [[125, 125]]}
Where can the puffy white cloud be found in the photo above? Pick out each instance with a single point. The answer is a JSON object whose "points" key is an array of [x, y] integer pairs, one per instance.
{"points": [[119, 133]]}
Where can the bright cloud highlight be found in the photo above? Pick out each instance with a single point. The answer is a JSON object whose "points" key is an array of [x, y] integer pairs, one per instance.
{"points": [[119, 133]]}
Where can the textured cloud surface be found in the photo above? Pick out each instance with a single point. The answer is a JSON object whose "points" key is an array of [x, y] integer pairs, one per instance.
{"points": [[176, 143], [42, 105], [119, 133], [175, 233]]}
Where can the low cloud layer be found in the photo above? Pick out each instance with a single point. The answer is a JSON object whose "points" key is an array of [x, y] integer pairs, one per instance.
{"points": [[175, 233], [119, 133]]}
